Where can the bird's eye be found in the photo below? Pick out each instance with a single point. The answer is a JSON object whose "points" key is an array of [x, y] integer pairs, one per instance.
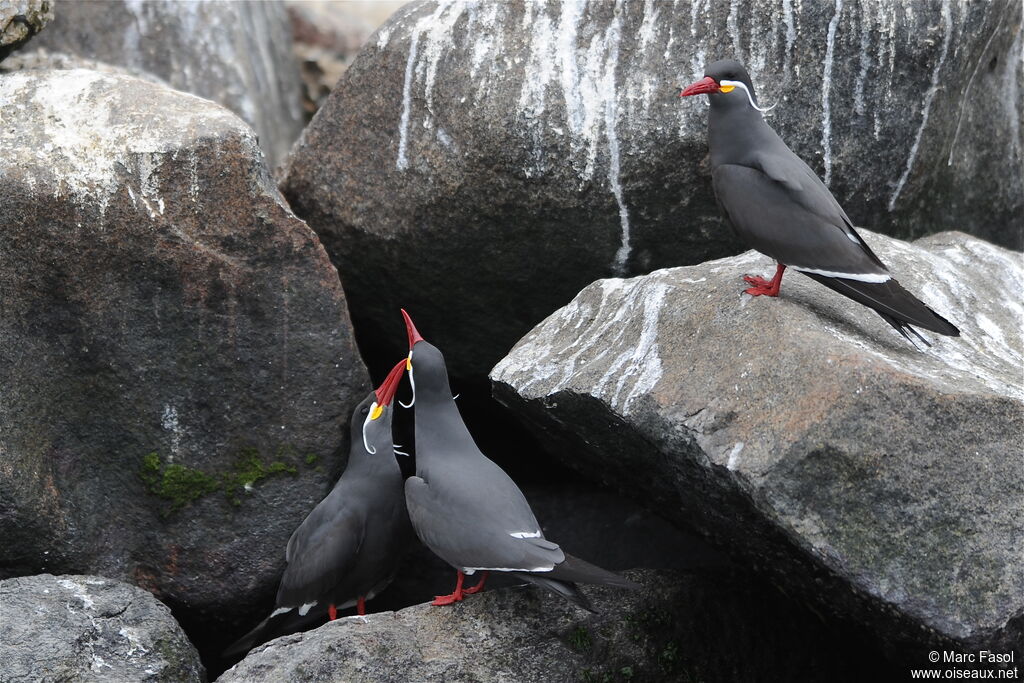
{"points": [[364, 411]]}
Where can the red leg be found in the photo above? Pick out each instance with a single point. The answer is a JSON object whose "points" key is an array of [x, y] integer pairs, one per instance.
{"points": [[764, 287], [456, 595], [361, 606], [479, 586], [332, 611]]}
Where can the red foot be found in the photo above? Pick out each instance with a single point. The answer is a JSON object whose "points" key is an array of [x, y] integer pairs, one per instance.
{"points": [[361, 607], [762, 287], [479, 586], [456, 595], [332, 612]]}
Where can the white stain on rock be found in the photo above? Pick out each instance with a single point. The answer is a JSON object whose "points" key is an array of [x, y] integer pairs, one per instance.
{"points": [[561, 66], [933, 88], [734, 456], [614, 326], [169, 421], [865, 61], [787, 17], [89, 144], [78, 591], [826, 91], [982, 59]]}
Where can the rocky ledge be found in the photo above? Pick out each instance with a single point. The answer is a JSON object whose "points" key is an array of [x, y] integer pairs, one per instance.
{"points": [[709, 625], [804, 435]]}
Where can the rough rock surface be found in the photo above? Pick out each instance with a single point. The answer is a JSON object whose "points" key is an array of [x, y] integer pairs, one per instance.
{"points": [[20, 20], [88, 628], [710, 626], [238, 54], [804, 435], [488, 160], [176, 357], [42, 58]]}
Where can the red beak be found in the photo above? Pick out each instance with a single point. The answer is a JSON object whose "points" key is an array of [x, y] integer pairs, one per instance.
{"points": [[386, 391], [702, 87], [414, 335]]}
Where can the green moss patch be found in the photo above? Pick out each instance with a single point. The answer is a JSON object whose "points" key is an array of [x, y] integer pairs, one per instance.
{"points": [[179, 485]]}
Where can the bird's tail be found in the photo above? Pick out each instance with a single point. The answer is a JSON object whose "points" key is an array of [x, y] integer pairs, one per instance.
{"points": [[579, 571], [896, 305], [566, 574], [566, 589], [246, 642], [279, 623]]}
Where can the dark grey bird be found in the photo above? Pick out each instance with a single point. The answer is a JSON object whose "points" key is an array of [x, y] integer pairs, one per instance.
{"points": [[780, 207], [466, 509], [348, 548]]}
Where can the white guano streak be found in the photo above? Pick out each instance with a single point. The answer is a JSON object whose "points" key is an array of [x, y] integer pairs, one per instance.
{"points": [[610, 118], [403, 126], [733, 27], [697, 65], [865, 61], [435, 41], [826, 88], [734, 456], [947, 22], [787, 16], [970, 82]]}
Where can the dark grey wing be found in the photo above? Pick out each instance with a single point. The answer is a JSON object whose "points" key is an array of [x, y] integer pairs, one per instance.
{"points": [[321, 551], [807, 190], [783, 210], [484, 525], [793, 218]]}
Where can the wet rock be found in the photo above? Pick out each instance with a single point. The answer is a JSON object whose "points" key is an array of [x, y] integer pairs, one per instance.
{"points": [[488, 160], [804, 435], [20, 20], [175, 350], [708, 626], [238, 54], [89, 628]]}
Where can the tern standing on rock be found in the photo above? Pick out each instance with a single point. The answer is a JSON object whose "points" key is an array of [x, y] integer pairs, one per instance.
{"points": [[466, 509], [348, 549], [782, 209]]}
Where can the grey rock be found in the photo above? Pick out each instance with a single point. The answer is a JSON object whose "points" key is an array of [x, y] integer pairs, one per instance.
{"points": [[709, 626], [481, 162], [20, 20], [177, 363], [42, 58], [804, 435], [89, 628], [238, 54]]}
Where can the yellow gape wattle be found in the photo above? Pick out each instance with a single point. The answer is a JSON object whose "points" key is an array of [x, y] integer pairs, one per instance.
{"points": [[377, 410], [408, 364], [728, 88]]}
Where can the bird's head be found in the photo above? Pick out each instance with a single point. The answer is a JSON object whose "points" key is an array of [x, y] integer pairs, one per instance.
{"points": [[726, 83], [374, 413], [425, 362]]}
